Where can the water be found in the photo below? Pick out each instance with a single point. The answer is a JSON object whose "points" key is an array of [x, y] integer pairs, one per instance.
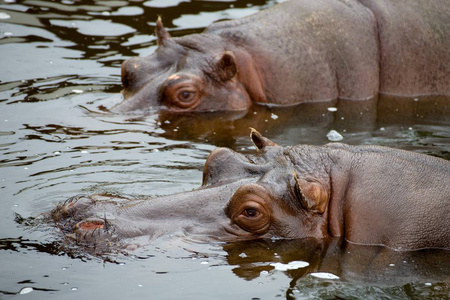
{"points": [[60, 63]]}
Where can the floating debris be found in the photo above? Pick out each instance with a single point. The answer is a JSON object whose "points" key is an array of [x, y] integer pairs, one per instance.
{"points": [[324, 275], [4, 16], [334, 136], [290, 266], [26, 290]]}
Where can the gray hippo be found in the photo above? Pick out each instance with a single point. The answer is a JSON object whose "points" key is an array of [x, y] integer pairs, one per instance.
{"points": [[297, 51], [368, 195]]}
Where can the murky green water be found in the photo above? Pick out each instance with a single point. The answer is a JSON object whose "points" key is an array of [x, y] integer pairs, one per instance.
{"points": [[60, 62]]}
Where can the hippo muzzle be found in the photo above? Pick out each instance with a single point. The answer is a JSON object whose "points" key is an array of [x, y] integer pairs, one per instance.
{"points": [[102, 223]]}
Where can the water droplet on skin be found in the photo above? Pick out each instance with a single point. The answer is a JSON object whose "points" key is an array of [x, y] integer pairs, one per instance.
{"points": [[26, 290]]}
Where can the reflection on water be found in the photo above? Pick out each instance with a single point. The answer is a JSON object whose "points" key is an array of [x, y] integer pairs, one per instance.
{"points": [[61, 70], [357, 267]]}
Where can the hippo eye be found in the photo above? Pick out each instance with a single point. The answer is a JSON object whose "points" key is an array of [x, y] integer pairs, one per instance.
{"points": [[252, 217], [186, 96], [251, 213]]}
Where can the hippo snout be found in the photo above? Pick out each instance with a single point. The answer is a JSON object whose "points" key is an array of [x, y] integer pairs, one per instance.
{"points": [[79, 221]]}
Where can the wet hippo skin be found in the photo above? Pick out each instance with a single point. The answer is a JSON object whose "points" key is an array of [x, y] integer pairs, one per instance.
{"points": [[368, 195], [297, 51]]}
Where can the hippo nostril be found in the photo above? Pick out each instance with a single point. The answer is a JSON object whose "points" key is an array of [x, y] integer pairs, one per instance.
{"points": [[90, 225]]}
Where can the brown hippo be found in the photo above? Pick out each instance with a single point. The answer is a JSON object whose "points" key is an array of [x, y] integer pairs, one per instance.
{"points": [[297, 51], [367, 195]]}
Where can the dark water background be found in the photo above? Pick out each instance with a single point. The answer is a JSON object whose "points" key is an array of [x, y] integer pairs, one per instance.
{"points": [[60, 61]]}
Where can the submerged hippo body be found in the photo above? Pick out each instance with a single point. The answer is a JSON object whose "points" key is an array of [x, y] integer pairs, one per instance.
{"points": [[297, 51], [367, 195]]}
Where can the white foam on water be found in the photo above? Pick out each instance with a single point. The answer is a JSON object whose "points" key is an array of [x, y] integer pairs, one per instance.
{"points": [[290, 266], [324, 275]]}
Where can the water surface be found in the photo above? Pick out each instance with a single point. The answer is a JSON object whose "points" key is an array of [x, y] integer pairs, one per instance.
{"points": [[60, 64]]}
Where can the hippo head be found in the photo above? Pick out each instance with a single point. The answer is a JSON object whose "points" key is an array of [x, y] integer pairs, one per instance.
{"points": [[280, 192], [197, 72]]}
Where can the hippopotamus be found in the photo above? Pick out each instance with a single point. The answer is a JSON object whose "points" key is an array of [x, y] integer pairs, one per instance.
{"points": [[370, 195], [294, 52]]}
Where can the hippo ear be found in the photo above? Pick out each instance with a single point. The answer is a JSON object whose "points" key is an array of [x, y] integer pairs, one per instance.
{"points": [[313, 195], [227, 66], [161, 32], [259, 141]]}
